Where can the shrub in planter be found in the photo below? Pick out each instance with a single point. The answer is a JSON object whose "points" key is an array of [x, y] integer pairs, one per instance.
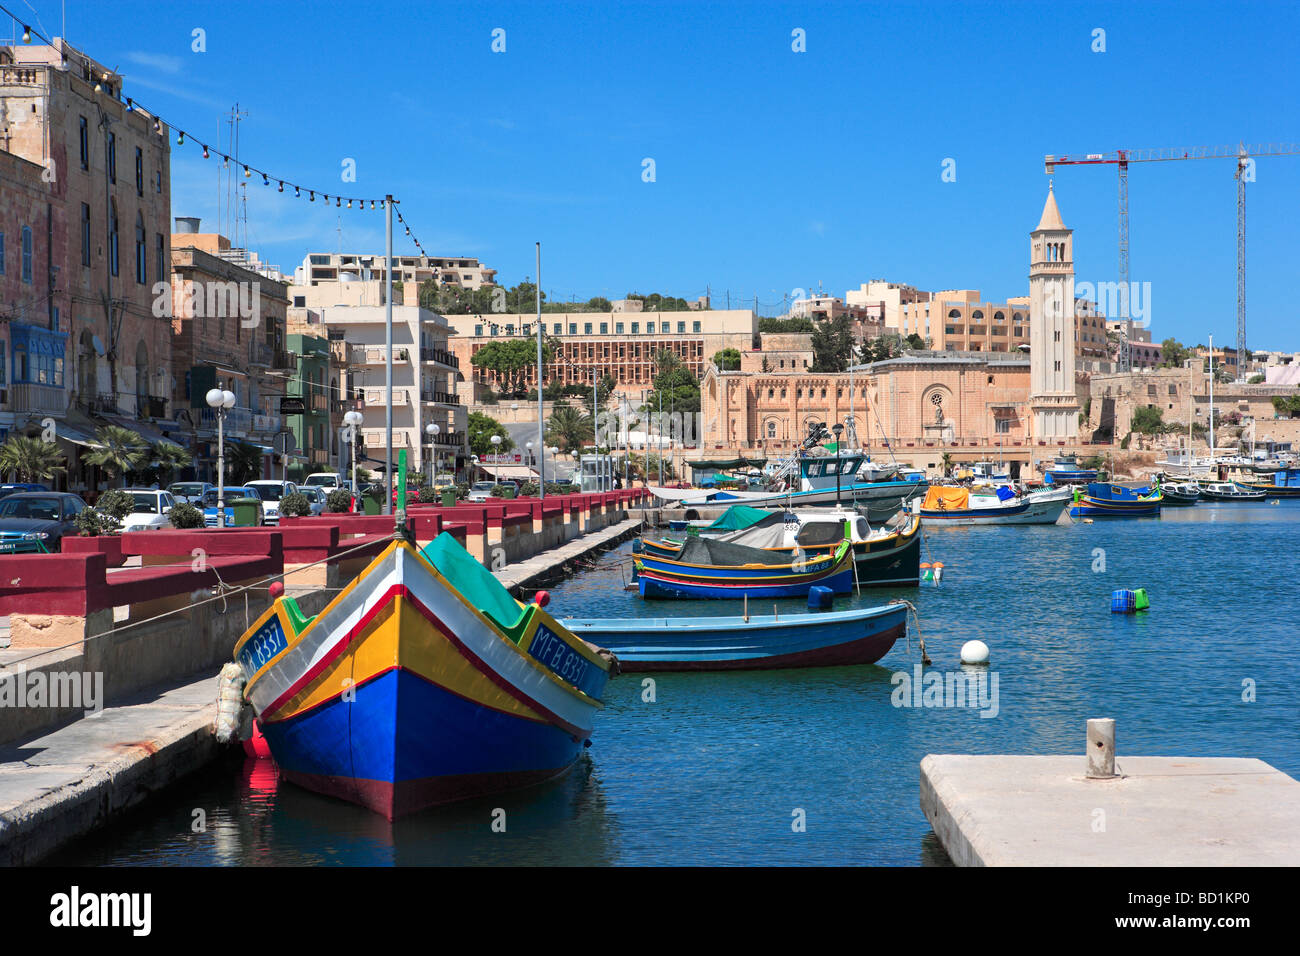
{"points": [[427, 495], [462, 492], [529, 489], [185, 515], [116, 503], [91, 523], [338, 501], [295, 505]]}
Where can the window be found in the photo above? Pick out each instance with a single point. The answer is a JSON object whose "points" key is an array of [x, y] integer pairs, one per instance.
{"points": [[618, 328], [636, 327], [85, 234], [157, 181], [112, 240], [112, 157], [604, 328], [573, 328], [586, 328], [510, 329], [139, 171], [478, 330], [160, 256], [85, 144], [2, 253], [681, 327], [695, 326], [27, 254], [555, 329], [649, 327], [1002, 426], [141, 255]]}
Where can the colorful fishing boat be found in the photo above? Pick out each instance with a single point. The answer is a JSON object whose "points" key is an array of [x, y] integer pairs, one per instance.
{"points": [[1103, 500], [1283, 483], [821, 639], [1180, 492], [422, 682], [959, 507], [885, 554], [713, 569]]}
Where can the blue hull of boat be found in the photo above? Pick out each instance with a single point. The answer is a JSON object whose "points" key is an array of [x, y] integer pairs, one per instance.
{"points": [[657, 587], [833, 638]]}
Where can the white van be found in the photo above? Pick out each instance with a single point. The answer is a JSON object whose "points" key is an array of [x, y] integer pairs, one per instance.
{"points": [[325, 481]]}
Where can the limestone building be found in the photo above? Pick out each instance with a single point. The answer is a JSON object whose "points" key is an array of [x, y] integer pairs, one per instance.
{"points": [[1052, 397]]}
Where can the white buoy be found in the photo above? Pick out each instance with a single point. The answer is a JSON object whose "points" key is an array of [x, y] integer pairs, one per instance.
{"points": [[974, 652]]}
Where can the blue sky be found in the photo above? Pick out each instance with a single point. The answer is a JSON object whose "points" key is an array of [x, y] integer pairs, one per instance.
{"points": [[774, 170]]}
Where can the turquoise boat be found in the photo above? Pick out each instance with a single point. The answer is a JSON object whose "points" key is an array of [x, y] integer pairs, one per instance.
{"points": [[1104, 500], [820, 639]]}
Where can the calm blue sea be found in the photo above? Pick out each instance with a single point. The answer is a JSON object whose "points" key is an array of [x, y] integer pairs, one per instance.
{"points": [[717, 769]]}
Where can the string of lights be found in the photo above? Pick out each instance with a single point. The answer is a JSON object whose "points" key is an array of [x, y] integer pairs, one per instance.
{"points": [[133, 105]]}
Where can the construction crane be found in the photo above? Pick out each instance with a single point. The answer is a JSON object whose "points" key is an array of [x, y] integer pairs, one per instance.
{"points": [[1121, 158]]}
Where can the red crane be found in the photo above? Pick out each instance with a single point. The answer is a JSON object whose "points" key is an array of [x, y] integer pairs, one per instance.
{"points": [[1121, 158]]}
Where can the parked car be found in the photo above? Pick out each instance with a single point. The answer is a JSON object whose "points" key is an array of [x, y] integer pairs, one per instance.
{"points": [[482, 490], [316, 495], [150, 510], [210, 505], [271, 491], [35, 522], [324, 480], [14, 488], [190, 491]]}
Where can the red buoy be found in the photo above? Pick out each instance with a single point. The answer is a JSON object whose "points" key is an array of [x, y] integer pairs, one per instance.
{"points": [[542, 598], [276, 589]]}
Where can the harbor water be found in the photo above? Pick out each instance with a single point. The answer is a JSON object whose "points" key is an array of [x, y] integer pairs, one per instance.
{"points": [[820, 766]]}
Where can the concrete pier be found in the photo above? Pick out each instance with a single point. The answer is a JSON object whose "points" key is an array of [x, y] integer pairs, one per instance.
{"points": [[1156, 811]]}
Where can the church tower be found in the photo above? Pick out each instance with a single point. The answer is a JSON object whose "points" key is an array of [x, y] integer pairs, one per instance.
{"points": [[1051, 327]]}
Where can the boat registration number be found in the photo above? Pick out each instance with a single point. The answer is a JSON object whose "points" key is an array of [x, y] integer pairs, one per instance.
{"points": [[262, 647], [554, 653]]}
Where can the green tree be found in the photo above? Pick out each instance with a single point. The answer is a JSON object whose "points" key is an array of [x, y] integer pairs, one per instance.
{"points": [[511, 360], [1257, 379], [727, 360], [243, 462], [915, 341], [120, 450], [677, 385], [568, 428], [169, 459], [30, 459], [598, 303], [795, 325], [1173, 353], [832, 344], [1148, 420], [481, 429]]}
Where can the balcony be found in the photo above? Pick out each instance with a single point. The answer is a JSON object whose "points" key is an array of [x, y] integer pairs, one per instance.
{"points": [[440, 356], [439, 398], [238, 420], [148, 406], [319, 403], [266, 424], [37, 399]]}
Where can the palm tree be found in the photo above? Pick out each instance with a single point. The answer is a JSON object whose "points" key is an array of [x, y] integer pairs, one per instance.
{"points": [[947, 464], [170, 458], [30, 459], [569, 428], [243, 462], [120, 450]]}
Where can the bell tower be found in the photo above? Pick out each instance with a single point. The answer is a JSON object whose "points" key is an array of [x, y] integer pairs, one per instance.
{"points": [[1051, 327]]}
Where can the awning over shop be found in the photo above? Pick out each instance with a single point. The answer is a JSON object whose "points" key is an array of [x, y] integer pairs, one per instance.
{"points": [[76, 435], [144, 429], [512, 472]]}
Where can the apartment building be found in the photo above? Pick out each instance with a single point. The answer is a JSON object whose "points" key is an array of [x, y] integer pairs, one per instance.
{"points": [[623, 345], [326, 268], [105, 165], [424, 380]]}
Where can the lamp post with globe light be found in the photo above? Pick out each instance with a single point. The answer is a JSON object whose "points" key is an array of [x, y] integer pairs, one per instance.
{"points": [[353, 420], [221, 400], [555, 460], [496, 451], [433, 430]]}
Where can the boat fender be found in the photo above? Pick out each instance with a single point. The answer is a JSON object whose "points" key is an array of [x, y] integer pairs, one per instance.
{"points": [[542, 598], [230, 702]]}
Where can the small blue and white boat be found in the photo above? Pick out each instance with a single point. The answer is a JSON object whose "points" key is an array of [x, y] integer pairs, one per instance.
{"points": [[819, 639], [1066, 471]]}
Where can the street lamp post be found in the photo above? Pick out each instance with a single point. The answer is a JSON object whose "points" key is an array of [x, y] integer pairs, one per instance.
{"points": [[353, 420], [555, 459], [219, 400], [496, 452], [433, 430]]}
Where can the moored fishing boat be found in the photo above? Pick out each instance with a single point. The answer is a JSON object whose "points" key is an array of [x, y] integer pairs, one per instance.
{"points": [[711, 569], [885, 554], [422, 682], [957, 507], [1180, 492], [1104, 500], [1231, 491], [1066, 470], [1283, 483], [828, 638]]}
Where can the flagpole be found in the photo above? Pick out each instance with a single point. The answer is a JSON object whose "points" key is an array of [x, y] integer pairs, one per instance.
{"points": [[388, 341], [541, 421]]}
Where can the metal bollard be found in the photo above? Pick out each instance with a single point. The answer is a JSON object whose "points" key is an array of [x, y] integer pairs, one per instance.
{"points": [[1101, 747]]}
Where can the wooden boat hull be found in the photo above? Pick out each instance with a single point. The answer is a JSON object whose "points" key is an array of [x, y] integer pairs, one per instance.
{"points": [[1275, 491], [1039, 508], [827, 639], [1089, 507], [1177, 498], [402, 694]]}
